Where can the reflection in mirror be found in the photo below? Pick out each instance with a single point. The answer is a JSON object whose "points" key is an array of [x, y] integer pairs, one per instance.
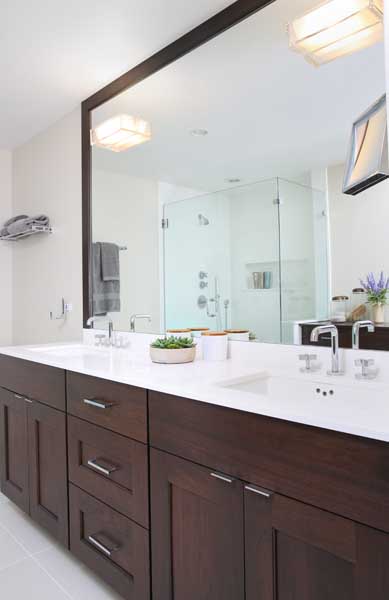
{"points": [[217, 187]]}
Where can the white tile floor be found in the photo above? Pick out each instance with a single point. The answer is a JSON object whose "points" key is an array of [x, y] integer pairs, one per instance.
{"points": [[34, 567]]}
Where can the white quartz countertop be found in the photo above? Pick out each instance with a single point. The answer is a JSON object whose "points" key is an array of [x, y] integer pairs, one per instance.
{"points": [[343, 403]]}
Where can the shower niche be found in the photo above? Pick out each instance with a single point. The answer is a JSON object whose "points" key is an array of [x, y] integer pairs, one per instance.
{"points": [[260, 250]]}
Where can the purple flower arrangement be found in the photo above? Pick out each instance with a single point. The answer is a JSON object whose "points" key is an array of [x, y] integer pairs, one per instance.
{"points": [[376, 290]]}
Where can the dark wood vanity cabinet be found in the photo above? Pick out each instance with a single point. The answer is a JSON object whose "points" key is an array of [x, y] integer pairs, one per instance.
{"points": [[14, 453], [294, 548], [218, 538], [237, 506], [110, 544], [48, 486], [109, 482], [197, 532], [33, 463], [294, 551]]}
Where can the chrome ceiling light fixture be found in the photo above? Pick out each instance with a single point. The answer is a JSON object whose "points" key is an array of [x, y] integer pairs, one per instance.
{"points": [[120, 133], [337, 28]]}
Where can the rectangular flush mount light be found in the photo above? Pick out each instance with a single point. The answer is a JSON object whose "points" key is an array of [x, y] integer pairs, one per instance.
{"points": [[337, 28], [120, 133]]}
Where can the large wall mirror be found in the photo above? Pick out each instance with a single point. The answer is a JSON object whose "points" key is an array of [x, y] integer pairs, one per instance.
{"points": [[227, 210]]}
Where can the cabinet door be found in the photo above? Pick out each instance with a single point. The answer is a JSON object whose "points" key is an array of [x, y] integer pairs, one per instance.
{"points": [[197, 532], [13, 448], [294, 551], [48, 469]]}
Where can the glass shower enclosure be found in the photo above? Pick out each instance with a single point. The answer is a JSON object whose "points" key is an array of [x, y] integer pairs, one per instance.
{"points": [[252, 257]]}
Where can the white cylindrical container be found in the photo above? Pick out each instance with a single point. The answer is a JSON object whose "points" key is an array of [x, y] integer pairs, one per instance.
{"points": [[198, 331], [339, 309], [238, 335], [179, 333], [214, 345]]}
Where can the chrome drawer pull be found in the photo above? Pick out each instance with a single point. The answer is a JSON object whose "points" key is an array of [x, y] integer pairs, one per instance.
{"points": [[255, 490], [101, 547], [222, 477], [95, 465], [97, 403]]}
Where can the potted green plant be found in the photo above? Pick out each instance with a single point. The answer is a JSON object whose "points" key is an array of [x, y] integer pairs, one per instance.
{"points": [[173, 350], [376, 295]]}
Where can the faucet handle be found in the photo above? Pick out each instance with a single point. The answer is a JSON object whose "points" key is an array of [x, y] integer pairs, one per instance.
{"points": [[364, 362], [99, 338], [309, 358], [366, 373]]}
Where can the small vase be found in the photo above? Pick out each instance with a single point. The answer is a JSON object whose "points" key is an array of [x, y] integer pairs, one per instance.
{"points": [[378, 313]]}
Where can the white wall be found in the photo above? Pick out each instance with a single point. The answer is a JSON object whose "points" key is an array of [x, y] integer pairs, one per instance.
{"points": [[5, 249], [359, 232], [47, 179], [125, 211]]}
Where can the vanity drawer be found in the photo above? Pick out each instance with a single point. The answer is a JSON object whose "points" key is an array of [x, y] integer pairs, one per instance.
{"points": [[109, 466], [344, 474], [33, 380], [110, 544], [118, 407]]}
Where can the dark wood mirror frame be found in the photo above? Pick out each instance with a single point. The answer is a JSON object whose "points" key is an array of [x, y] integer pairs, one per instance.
{"points": [[227, 18]]}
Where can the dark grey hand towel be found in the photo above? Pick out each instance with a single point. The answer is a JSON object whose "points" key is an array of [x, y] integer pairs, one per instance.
{"points": [[110, 269], [106, 294]]}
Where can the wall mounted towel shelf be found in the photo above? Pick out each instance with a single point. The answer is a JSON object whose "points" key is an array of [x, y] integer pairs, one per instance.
{"points": [[23, 234]]}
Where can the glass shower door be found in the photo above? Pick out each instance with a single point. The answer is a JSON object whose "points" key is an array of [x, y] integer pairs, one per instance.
{"points": [[196, 262], [221, 261], [255, 260], [303, 256]]}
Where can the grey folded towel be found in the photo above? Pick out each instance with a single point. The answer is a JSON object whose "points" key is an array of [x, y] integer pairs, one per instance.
{"points": [[106, 294], [27, 223], [14, 219], [5, 231], [110, 266]]}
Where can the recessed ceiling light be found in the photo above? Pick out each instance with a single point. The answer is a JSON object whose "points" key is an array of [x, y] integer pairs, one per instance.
{"points": [[233, 180], [199, 132]]}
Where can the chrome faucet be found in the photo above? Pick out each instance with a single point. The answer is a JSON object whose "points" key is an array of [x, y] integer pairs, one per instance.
{"points": [[133, 319], [102, 319], [369, 325], [317, 332]]}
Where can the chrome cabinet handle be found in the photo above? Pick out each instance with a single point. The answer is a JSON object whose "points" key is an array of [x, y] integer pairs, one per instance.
{"points": [[18, 397], [258, 490], [107, 551], [95, 465], [97, 403], [222, 477]]}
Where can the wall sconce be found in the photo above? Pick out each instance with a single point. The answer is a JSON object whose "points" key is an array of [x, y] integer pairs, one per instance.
{"points": [[337, 28], [120, 133], [367, 162]]}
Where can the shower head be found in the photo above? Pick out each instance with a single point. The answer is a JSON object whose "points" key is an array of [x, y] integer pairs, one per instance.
{"points": [[203, 221]]}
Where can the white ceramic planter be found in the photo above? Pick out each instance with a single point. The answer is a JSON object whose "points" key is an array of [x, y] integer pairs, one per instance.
{"points": [[172, 357], [379, 313]]}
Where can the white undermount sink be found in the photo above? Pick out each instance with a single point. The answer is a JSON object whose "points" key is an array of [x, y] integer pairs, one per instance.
{"points": [[278, 387], [326, 400], [71, 350]]}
